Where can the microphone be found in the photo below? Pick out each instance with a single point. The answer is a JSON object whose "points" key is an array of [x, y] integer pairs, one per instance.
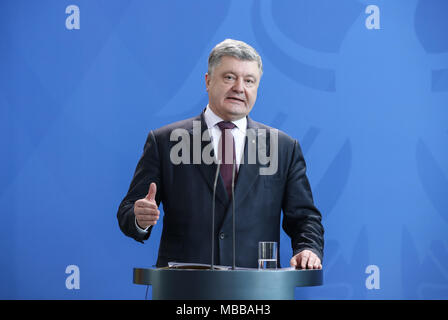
{"points": [[213, 215], [233, 214]]}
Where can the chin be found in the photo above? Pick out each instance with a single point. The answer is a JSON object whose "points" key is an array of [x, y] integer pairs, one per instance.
{"points": [[232, 111], [236, 108], [237, 115]]}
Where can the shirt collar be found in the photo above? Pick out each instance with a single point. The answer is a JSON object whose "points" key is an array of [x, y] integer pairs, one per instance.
{"points": [[211, 119]]}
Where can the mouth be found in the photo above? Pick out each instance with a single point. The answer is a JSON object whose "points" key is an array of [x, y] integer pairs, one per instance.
{"points": [[236, 99]]}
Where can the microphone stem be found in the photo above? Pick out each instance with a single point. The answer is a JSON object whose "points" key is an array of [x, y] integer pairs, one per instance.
{"points": [[212, 266], [233, 213]]}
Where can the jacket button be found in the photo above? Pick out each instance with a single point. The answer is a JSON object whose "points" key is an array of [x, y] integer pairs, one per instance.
{"points": [[222, 235]]}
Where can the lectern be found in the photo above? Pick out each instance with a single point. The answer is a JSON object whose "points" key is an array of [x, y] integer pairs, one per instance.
{"points": [[246, 284]]}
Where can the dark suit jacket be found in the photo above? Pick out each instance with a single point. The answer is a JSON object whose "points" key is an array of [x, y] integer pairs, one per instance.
{"points": [[186, 190]]}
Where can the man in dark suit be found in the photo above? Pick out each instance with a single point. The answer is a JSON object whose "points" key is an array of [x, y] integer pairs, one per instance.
{"points": [[178, 169]]}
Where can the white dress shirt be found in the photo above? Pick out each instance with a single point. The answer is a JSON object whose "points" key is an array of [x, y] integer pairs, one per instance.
{"points": [[239, 133], [239, 136]]}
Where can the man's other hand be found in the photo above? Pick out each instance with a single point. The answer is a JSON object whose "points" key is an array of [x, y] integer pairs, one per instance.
{"points": [[306, 259]]}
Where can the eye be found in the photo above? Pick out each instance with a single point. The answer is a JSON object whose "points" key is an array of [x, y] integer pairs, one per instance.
{"points": [[250, 82], [229, 77]]}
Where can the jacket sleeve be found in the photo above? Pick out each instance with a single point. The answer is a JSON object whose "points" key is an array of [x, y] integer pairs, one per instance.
{"points": [[302, 220], [147, 171]]}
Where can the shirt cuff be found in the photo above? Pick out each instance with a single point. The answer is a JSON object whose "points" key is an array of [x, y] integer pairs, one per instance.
{"points": [[140, 230]]}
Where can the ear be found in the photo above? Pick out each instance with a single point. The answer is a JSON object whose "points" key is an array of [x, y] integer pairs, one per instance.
{"points": [[207, 81]]}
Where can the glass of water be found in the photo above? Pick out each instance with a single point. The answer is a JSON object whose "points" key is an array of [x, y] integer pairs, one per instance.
{"points": [[267, 255]]}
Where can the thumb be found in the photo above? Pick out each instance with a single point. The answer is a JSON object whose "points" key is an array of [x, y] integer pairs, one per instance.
{"points": [[152, 192]]}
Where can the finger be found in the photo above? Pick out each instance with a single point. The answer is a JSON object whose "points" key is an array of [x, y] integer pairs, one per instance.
{"points": [[145, 205], [145, 219], [142, 225], [151, 196], [293, 262], [304, 260], [147, 213], [317, 264], [147, 222], [140, 203], [314, 261], [311, 262]]}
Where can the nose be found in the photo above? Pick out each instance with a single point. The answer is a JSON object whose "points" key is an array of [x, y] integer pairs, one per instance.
{"points": [[238, 86]]}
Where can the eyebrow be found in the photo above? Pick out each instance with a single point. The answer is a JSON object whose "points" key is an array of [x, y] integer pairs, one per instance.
{"points": [[247, 75]]}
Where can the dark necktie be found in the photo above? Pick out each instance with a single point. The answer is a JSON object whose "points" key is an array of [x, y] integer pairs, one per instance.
{"points": [[226, 154]]}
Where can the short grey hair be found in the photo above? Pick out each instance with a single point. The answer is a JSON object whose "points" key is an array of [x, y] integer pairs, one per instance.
{"points": [[233, 48]]}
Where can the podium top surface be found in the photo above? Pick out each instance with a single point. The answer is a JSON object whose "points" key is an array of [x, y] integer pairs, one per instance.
{"points": [[284, 277]]}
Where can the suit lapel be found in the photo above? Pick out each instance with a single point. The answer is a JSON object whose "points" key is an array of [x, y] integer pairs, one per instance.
{"points": [[208, 171], [249, 169]]}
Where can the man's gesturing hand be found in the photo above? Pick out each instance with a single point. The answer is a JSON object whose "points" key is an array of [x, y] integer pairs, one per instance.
{"points": [[145, 210], [306, 259]]}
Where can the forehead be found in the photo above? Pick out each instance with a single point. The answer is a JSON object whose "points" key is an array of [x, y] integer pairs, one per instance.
{"points": [[237, 66]]}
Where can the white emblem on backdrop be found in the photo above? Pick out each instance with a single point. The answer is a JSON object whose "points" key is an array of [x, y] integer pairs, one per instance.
{"points": [[373, 20], [73, 280], [373, 280], [73, 20]]}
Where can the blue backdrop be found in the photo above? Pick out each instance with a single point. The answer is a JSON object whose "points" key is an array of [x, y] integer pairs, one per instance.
{"points": [[364, 89]]}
